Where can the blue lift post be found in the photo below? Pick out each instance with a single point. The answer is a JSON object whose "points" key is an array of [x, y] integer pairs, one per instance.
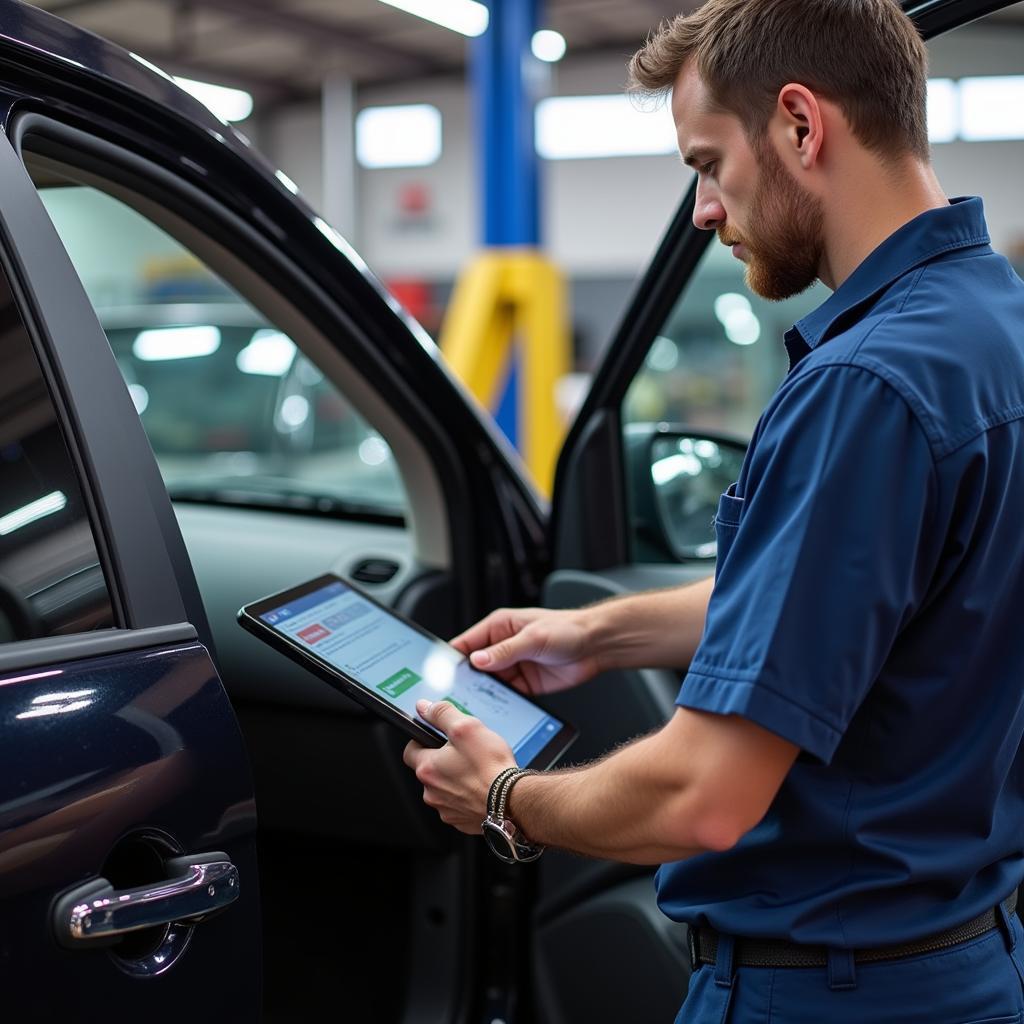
{"points": [[506, 154], [505, 330]]}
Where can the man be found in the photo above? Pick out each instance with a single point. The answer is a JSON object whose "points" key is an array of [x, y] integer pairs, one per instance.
{"points": [[838, 800]]}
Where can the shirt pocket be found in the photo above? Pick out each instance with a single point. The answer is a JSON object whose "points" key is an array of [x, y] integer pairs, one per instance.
{"points": [[727, 522]]}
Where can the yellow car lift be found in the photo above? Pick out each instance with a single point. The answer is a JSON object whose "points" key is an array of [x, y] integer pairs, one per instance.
{"points": [[511, 300]]}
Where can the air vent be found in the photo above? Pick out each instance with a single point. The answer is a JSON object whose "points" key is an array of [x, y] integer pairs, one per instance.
{"points": [[374, 570]]}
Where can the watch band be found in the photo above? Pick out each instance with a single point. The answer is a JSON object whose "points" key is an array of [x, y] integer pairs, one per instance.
{"points": [[492, 793], [502, 835]]}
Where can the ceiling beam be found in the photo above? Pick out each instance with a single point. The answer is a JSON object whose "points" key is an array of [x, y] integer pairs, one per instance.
{"points": [[327, 35]]}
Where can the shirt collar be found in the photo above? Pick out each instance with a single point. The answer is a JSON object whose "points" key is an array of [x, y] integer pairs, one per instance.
{"points": [[960, 225]]}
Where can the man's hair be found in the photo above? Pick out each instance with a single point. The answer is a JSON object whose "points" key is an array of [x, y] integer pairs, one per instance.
{"points": [[864, 55]]}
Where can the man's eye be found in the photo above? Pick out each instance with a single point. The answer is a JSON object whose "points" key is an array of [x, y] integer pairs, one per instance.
{"points": [[708, 170]]}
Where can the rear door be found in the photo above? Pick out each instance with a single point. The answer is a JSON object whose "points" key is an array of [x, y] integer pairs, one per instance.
{"points": [[127, 820], [660, 435]]}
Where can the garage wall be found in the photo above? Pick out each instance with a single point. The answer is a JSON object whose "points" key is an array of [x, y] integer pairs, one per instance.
{"points": [[601, 218]]}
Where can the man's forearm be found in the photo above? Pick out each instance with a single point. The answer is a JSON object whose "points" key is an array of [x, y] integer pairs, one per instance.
{"points": [[697, 784], [625, 807], [657, 629]]}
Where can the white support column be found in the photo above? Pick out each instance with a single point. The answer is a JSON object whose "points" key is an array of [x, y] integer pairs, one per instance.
{"points": [[338, 139]]}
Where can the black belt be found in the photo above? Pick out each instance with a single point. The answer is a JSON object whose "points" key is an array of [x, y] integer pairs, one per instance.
{"points": [[780, 953]]}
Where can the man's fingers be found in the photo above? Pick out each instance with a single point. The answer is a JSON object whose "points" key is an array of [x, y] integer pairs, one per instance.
{"points": [[482, 633]]}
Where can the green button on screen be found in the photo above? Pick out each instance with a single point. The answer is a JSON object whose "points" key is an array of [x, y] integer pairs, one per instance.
{"points": [[404, 679]]}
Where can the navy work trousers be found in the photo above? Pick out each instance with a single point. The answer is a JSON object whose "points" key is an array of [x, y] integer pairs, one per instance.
{"points": [[976, 982]]}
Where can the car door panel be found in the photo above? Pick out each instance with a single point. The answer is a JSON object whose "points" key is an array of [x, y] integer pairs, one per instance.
{"points": [[120, 747], [123, 747]]}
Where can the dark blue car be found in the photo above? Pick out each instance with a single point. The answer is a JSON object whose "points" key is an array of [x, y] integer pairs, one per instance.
{"points": [[191, 828]]}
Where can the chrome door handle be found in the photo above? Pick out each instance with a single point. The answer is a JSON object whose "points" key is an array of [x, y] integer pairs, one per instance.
{"points": [[199, 886]]}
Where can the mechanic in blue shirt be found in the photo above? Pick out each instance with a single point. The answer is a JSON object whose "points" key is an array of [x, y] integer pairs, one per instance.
{"points": [[838, 801]]}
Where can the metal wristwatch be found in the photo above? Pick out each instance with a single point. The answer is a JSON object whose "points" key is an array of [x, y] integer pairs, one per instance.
{"points": [[505, 840]]}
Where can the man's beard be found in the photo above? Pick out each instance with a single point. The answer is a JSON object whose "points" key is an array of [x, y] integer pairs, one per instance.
{"points": [[784, 239]]}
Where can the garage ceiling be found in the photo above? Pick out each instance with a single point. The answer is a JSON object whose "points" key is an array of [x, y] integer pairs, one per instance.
{"points": [[281, 50]]}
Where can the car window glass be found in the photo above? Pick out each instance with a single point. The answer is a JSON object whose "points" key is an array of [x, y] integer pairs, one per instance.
{"points": [[233, 410], [712, 368], [51, 580], [718, 358]]}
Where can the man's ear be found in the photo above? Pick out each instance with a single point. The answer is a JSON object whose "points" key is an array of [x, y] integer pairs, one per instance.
{"points": [[802, 124]]}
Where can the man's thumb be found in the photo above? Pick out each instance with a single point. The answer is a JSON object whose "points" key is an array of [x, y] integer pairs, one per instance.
{"points": [[438, 714], [506, 653]]}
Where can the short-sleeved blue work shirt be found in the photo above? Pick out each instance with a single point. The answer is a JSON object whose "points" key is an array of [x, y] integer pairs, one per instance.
{"points": [[869, 607]]}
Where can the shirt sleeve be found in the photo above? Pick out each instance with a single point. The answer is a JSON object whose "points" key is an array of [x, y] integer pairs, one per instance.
{"points": [[826, 565]]}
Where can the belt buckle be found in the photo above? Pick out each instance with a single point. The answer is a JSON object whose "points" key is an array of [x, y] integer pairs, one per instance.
{"points": [[691, 947]]}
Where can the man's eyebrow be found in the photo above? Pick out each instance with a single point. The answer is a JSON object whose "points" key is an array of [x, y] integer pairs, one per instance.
{"points": [[698, 154]]}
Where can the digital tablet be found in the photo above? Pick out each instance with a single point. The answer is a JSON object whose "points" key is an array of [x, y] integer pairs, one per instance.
{"points": [[387, 663]]}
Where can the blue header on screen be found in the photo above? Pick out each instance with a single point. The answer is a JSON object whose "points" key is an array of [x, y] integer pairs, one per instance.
{"points": [[304, 603]]}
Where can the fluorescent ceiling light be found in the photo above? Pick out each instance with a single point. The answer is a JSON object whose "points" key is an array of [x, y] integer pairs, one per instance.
{"points": [[549, 45], [45, 506], [465, 16], [159, 343], [401, 136], [269, 354], [227, 104], [992, 108], [582, 127], [943, 116]]}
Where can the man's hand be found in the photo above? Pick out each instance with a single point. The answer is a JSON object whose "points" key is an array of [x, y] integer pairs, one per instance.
{"points": [[535, 650], [457, 776]]}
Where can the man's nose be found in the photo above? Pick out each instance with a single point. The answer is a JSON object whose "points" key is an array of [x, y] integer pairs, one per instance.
{"points": [[708, 213]]}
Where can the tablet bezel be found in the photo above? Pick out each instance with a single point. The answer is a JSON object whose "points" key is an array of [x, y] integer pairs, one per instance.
{"points": [[248, 618]]}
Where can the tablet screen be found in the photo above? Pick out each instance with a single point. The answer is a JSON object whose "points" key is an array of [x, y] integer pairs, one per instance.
{"points": [[402, 665]]}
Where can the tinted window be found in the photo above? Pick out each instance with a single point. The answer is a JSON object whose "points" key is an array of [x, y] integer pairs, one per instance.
{"points": [[50, 576], [232, 408]]}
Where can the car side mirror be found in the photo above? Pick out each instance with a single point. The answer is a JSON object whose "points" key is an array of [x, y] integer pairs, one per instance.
{"points": [[676, 476]]}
